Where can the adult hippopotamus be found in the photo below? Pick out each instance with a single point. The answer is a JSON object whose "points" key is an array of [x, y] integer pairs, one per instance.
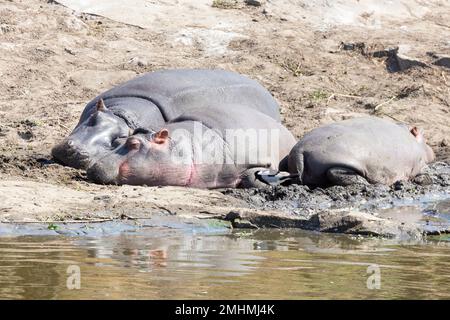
{"points": [[150, 101], [213, 147], [360, 150]]}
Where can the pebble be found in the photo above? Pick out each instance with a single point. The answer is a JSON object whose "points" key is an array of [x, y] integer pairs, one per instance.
{"points": [[443, 61], [255, 3], [138, 61], [74, 24]]}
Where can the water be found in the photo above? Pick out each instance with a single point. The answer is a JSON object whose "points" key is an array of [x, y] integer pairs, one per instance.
{"points": [[161, 263]]}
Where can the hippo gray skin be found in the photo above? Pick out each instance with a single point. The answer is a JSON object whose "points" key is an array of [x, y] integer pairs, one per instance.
{"points": [[360, 150], [224, 147], [150, 101]]}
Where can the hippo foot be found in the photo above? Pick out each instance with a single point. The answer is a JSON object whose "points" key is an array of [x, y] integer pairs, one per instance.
{"points": [[344, 177]]}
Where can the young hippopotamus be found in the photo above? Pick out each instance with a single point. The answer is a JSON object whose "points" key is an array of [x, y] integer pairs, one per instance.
{"points": [[199, 149], [150, 101], [360, 150]]}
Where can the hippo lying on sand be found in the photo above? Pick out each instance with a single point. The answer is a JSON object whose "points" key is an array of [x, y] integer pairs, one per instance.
{"points": [[361, 150], [223, 147], [149, 101]]}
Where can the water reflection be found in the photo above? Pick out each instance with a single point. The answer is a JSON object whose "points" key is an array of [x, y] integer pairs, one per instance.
{"points": [[288, 264]]}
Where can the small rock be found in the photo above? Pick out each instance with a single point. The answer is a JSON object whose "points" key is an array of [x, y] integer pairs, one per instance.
{"points": [[399, 185], [69, 51], [423, 179], [5, 28], [26, 135], [232, 215], [397, 62], [388, 52], [355, 222], [255, 3], [102, 198], [352, 46], [139, 61], [243, 224], [74, 24], [443, 61]]}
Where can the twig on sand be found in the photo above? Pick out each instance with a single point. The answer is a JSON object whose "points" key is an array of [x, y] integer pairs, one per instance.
{"points": [[342, 95], [63, 126], [377, 107], [360, 97]]}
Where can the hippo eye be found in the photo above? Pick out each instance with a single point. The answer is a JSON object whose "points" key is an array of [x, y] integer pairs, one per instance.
{"points": [[92, 120], [133, 144], [118, 141]]}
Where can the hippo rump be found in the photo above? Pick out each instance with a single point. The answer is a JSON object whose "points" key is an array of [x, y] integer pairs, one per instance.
{"points": [[150, 101], [360, 150], [225, 146]]}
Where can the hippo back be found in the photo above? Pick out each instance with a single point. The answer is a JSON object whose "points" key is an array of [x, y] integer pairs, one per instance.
{"points": [[173, 92], [377, 149]]}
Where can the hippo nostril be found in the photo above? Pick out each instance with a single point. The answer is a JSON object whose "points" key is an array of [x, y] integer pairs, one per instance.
{"points": [[70, 152]]}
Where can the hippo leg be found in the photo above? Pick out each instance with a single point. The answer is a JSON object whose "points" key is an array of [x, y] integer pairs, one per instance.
{"points": [[284, 164], [344, 176]]}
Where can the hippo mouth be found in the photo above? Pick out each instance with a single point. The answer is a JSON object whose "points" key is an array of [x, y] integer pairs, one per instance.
{"points": [[101, 174], [68, 154], [124, 172]]}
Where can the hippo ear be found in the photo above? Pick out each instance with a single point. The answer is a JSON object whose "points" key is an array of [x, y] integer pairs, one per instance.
{"points": [[161, 136], [416, 133], [101, 105]]}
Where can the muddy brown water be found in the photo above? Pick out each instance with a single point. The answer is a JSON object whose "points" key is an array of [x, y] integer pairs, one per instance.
{"points": [[173, 262]]}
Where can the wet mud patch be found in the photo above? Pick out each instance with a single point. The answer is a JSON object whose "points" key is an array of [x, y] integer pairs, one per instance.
{"points": [[304, 201], [405, 209], [39, 167], [19, 163]]}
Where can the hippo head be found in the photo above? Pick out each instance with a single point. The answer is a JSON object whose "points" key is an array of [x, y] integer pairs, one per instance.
{"points": [[146, 158], [91, 139], [429, 154]]}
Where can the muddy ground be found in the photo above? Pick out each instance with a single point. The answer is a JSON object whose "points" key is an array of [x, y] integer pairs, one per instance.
{"points": [[303, 201], [322, 63]]}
